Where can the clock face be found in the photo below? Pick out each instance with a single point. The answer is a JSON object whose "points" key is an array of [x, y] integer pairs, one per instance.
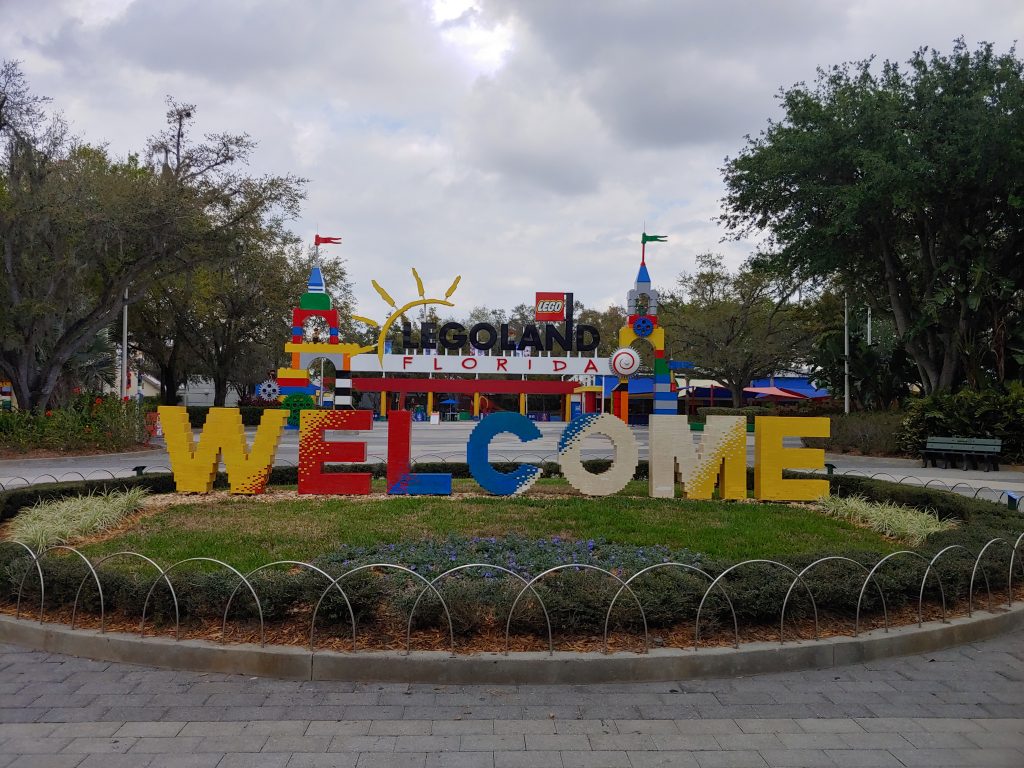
{"points": [[624, 361]]}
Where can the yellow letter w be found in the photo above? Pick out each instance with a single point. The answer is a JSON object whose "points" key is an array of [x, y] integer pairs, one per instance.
{"points": [[195, 465]]}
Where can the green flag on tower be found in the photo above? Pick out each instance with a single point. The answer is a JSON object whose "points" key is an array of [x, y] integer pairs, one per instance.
{"points": [[645, 239]]}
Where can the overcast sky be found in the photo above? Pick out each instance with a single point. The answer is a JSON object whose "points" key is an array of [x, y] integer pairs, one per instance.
{"points": [[520, 143]]}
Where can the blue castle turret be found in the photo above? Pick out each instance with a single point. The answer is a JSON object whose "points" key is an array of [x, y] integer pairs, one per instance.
{"points": [[316, 295], [316, 281]]}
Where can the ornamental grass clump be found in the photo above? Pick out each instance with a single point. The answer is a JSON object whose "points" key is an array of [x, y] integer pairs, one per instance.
{"points": [[62, 520], [894, 520]]}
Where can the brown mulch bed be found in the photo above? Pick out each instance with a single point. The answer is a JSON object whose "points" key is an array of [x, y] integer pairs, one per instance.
{"points": [[390, 635]]}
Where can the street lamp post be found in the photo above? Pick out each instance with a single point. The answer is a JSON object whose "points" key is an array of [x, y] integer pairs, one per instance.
{"points": [[846, 355], [124, 347]]}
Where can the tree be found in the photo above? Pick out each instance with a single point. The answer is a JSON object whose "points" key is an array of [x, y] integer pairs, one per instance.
{"points": [[488, 315], [78, 229], [881, 373], [21, 111], [521, 316], [734, 327], [608, 322], [241, 312], [905, 186], [156, 327], [229, 321], [89, 370]]}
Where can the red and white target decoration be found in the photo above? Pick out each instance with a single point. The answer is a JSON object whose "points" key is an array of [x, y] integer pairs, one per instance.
{"points": [[625, 361]]}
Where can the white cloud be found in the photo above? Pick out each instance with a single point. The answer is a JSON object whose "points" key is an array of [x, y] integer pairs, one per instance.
{"points": [[484, 46], [521, 143]]}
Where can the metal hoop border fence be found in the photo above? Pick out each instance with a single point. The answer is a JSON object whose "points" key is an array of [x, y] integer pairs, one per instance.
{"points": [[528, 585]]}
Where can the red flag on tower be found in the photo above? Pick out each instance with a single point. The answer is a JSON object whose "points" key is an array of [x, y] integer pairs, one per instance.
{"points": [[318, 240]]}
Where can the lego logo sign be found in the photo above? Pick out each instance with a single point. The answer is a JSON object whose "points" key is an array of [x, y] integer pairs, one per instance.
{"points": [[550, 307]]}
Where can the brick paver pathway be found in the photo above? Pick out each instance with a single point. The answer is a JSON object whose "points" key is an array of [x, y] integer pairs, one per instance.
{"points": [[961, 707]]}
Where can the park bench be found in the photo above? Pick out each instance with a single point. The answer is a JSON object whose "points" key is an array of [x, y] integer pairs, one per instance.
{"points": [[966, 450]]}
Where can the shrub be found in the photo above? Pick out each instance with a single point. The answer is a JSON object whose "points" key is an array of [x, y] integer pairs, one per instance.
{"points": [[197, 415], [946, 505], [871, 433], [818, 406], [750, 411], [60, 520], [967, 413], [251, 414], [257, 402], [15, 499], [99, 422], [894, 520], [576, 598]]}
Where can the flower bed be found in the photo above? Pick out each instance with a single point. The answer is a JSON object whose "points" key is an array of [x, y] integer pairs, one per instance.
{"points": [[90, 422], [576, 599]]}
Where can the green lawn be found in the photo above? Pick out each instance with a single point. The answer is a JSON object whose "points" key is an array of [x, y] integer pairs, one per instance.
{"points": [[248, 533]]}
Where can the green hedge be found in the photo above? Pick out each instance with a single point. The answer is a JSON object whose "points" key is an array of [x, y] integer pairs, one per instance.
{"points": [[14, 499], [251, 415], [750, 411], [967, 413], [577, 600], [457, 469], [870, 433], [947, 505], [88, 422]]}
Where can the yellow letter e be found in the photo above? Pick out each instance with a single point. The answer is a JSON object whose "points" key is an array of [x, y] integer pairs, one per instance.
{"points": [[770, 458]]}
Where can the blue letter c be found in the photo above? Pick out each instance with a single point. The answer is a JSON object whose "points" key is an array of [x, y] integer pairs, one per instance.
{"points": [[490, 479]]}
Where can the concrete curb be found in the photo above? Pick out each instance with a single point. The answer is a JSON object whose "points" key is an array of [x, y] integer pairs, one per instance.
{"points": [[661, 664]]}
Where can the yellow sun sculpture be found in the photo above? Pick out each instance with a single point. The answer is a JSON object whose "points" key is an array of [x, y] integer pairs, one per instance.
{"points": [[399, 311], [316, 302]]}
